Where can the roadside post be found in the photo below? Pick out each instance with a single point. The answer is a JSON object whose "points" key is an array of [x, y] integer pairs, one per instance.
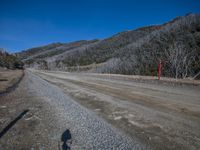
{"points": [[159, 69]]}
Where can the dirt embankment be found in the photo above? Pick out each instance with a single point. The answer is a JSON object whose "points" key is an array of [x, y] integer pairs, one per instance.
{"points": [[9, 79]]}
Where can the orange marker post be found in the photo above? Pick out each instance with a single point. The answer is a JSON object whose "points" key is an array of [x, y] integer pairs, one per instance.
{"points": [[159, 70]]}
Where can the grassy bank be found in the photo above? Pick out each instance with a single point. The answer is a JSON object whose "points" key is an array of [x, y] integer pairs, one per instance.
{"points": [[9, 78]]}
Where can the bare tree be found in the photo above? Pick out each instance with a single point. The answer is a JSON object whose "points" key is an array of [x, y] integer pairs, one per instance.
{"points": [[179, 59]]}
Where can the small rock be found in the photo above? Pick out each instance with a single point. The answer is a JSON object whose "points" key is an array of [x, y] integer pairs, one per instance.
{"points": [[3, 106]]}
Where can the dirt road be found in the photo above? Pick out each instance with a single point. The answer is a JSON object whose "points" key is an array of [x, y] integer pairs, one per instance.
{"points": [[39, 116], [158, 115]]}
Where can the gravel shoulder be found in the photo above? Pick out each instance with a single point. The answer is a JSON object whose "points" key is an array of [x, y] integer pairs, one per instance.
{"points": [[54, 120], [157, 114]]}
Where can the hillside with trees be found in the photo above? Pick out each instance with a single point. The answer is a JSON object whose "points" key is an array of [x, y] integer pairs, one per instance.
{"points": [[9, 61], [175, 43]]}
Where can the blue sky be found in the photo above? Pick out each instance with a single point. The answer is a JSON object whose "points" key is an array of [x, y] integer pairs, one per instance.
{"points": [[30, 23]]}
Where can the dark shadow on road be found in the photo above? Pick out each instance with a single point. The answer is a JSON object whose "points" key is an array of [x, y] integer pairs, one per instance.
{"points": [[66, 138], [12, 123]]}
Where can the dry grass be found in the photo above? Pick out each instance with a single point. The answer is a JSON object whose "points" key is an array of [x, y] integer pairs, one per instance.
{"points": [[8, 78]]}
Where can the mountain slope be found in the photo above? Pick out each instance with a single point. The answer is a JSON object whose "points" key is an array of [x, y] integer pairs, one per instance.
{"points": [[176, 44]]}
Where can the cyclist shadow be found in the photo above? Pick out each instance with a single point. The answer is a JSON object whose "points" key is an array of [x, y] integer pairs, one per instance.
{"points": [[66, 138]]}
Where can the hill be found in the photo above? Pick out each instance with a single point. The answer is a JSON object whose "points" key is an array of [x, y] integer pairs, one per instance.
{"points": [[175, 43]]}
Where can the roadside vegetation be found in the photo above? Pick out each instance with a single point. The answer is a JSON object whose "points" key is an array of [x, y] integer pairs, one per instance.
{"points": [[9, 61], [10, 71]]}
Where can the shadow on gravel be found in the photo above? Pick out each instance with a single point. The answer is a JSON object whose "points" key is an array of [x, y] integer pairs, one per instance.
{"points": [[66, 139], [12, 123]]}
